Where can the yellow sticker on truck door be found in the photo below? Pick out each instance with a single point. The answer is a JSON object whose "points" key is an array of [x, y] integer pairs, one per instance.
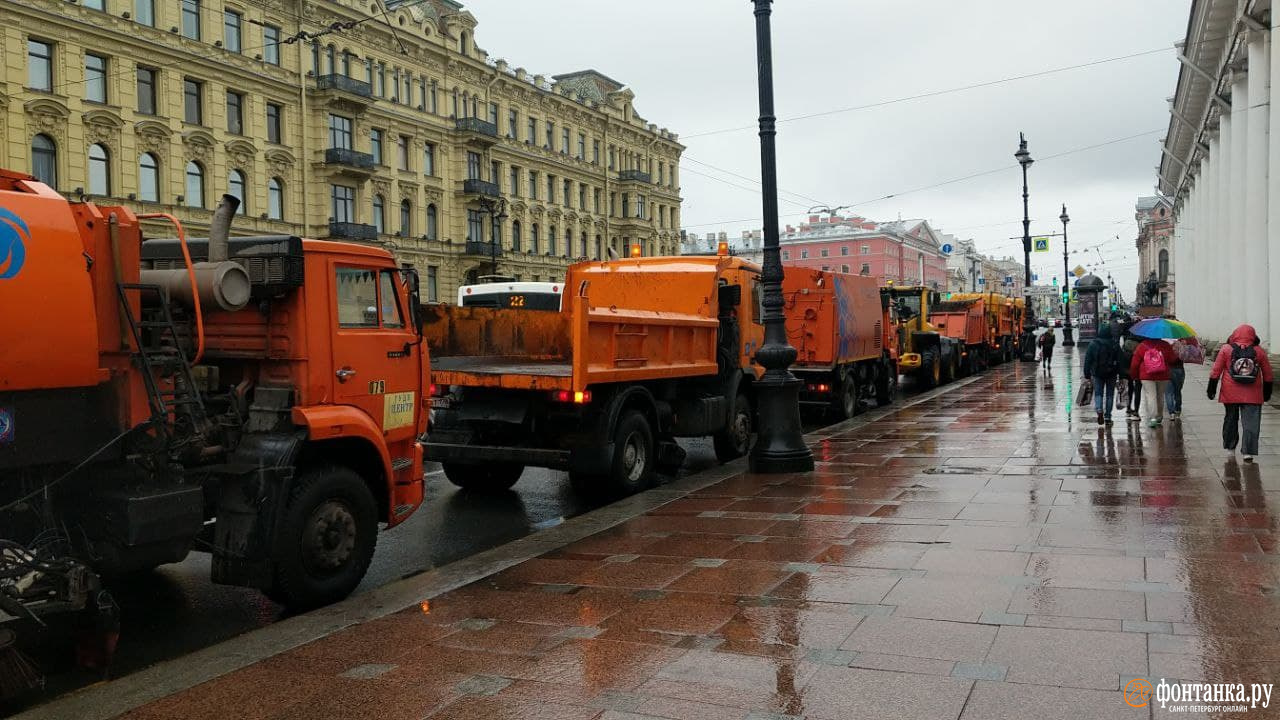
{"points": [[397, 410]]}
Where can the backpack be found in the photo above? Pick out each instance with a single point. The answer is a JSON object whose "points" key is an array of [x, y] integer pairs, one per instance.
{"points": [[1244, 364], [1109, 361], [1153, 362]]}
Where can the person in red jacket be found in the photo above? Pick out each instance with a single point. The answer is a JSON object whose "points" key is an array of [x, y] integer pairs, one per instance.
{"points": [[1152, 364], [1245, 373]]}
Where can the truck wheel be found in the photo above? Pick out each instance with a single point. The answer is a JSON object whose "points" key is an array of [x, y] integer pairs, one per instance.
{"points": [[326, 540], [848, 401], [493, 477], [930, 370], [734, 441], [886, 384], [633, 454]]}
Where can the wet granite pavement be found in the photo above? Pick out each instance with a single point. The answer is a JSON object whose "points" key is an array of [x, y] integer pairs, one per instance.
{"points": [[986, 553]]}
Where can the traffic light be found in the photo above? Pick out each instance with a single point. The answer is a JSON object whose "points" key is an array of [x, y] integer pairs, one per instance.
{"points": [[1066, 297], [1055, 281]]}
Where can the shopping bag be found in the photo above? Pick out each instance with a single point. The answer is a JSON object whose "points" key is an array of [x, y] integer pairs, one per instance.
{"points": [[1084, 395], [1122, 394]]}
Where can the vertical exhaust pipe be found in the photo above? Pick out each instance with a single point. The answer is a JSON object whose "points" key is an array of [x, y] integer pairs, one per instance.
{"points": [[220, 228]]}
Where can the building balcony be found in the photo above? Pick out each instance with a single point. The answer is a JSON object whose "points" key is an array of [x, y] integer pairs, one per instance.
{"points": [[635, 176], [477, 131], [480, 187], [480, 248], [352, 231], [343, 93], [349, 158]]}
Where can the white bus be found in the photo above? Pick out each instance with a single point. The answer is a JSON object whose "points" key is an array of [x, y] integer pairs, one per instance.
{"points": [[512, 294]]}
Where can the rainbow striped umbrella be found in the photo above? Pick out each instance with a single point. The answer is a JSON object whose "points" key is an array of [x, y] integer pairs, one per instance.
{"points": [[1162, 328]]}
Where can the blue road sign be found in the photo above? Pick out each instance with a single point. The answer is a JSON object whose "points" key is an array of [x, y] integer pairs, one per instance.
{"points": [[946, 248], [982, 281], [1035, 277]]}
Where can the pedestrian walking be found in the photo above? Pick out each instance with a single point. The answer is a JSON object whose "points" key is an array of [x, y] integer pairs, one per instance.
{"points": [[1102, 363], [1046, 342], [1150, 364], [1189, 352], [1244, 372], [1133, 386]]}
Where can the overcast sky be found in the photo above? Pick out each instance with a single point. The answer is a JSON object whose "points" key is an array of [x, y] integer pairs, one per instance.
{"points": [[692, 66]]}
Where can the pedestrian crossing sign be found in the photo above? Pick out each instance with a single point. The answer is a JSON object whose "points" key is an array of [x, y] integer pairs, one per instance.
{"points": [[1041, 244]]}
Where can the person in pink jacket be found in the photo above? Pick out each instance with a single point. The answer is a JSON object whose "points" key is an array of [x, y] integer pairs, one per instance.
{"points": [[1152, 363], [1245, 373]]}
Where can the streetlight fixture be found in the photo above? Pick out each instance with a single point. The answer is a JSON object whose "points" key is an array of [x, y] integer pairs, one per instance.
{"points": [[779, 446], [496, 210], [1028, 318], [1067, 341]]}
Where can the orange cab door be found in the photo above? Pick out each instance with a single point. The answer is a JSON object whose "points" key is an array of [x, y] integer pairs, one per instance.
{"points": [[375, 355]]}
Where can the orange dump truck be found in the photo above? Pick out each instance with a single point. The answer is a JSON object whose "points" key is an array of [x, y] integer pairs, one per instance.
{"points": [[1004, 323], [642, 351], [965, 322], [258, 396], [838, 323]]}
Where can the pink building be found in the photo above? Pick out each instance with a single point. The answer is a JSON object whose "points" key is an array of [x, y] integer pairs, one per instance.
{"points": [[906, 252]]}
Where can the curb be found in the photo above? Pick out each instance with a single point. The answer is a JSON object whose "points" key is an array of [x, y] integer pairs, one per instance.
{"points": [[111, 699]]}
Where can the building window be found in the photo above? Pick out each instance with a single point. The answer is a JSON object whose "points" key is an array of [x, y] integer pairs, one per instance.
{"points": [[564, 141], [612, 157], [473, 165], [99, 171], [380, 80], [402, 152], [825, 252], [595, 198], [786, 254], [844, 250], [339, 132], [148, 178], [432, 221], [271, 44], [406, 218], [429, 159], [375, 145], [493, 114], [551, 135], [235, 113], [640, 207], [804, 254], [513, 181], [475, 228], [566, 194], [582, 196], [865, 250], [231, 24], [844, 269], [342, 203], [191, 19], [192, 101], [515, 235], [144, 12], [432, 283], [495, 173], [44, 160], [275, 199], [532, 135], [40, 65], [380, 214], [95, 78], [533, 185], [551, 188], [236, 188], [195, 185], [434, 106], [513, 120], [866, 269], [274, 122], [1164, 266], [533, 238], [626, 205], [146, 91], [595, 152], [551, 240]]}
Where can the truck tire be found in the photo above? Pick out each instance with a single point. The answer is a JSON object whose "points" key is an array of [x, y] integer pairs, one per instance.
{"points": [[848, 401], [930, 370], [493, 477], [886, 384], [734, 441], [634, 455], [326, 539], [949, 367]]}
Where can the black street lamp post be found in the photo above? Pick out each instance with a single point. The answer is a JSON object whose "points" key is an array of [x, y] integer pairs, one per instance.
{"points": [[779, 446], [1028, 344], [1067, 340], [497, 211]]}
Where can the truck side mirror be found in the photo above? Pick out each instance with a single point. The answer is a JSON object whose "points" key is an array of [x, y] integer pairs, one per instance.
{"points": [[410, 276], [730, 296]]}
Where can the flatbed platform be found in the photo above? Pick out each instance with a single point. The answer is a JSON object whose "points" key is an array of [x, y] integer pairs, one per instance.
{"points": [[497, 365]]}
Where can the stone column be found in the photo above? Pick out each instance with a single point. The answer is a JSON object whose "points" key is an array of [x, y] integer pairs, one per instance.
{"points": [[1273, 187], [1257, 310], [1212, 241], [1236, 259]]}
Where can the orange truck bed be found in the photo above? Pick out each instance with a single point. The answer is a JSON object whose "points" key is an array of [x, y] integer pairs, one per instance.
{"points": [[832, 318], [963, 320], [627, 320]]}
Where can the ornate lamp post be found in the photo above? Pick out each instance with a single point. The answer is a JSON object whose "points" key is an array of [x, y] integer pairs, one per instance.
{"points": [[1067, 341], [497, 211], [1028, 342], [779, 444]]}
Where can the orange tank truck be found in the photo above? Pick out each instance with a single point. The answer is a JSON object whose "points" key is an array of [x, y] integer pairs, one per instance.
{"points": [[965, 322], [260, 398], [837, 323], [642, 351]]}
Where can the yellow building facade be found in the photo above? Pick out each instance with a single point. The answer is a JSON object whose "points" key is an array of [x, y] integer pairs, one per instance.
{"points": [[365, 120]]}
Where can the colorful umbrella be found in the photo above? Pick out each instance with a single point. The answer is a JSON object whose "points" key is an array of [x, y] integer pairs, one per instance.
{"points": [[1162, 328]]}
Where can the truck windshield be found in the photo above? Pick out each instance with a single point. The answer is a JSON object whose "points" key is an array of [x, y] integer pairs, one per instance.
{"points": [[515, 300], [908, 304]]}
